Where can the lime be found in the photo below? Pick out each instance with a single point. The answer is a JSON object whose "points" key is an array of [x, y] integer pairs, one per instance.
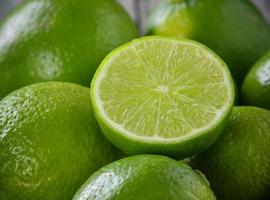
{"points": [[238, 164], [161, 95], [44, 40], [50, 142], [171, 18], [234, 29], [256, 87], [146, 177]]}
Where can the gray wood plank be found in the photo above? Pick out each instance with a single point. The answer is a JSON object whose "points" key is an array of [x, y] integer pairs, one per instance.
{"points": [[264, 6], [145, 6], [129, 5]]}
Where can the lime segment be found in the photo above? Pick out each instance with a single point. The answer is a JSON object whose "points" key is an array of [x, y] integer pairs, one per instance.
{"points": [[157, 90]]}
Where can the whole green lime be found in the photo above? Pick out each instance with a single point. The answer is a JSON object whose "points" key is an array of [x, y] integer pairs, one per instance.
{"points": [[234, 29], [146, 177], [256, 87], [59, 40], [238, 165], [50, 142]]}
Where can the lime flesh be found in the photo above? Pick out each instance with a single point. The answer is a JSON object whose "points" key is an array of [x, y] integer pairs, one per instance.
{"points": [[158, 95]]}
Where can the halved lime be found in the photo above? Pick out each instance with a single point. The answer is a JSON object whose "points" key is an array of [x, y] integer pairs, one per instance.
{"points": [[161, 95]]}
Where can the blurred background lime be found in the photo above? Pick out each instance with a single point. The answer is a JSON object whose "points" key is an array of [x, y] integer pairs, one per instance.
{"points": [[44, 40], [256, 87], [234, 29], [146, 177], [238, 164], [139, 9], [50, 142]]}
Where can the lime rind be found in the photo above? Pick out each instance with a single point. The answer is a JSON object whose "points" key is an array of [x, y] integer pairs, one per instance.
{"points": [[104, 119]]}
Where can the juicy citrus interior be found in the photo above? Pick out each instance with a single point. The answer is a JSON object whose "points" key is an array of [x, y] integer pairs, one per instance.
{"points": [[162, 89]]}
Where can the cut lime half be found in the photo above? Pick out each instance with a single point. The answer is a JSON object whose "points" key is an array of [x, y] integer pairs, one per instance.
{"points": [[161, 95]]}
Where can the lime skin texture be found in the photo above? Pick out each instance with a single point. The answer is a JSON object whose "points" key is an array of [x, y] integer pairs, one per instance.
{"points": [[238, 164], [50, 142], [256, 87], [142, 177], [146, 103], [234, 29], [54, 40]]}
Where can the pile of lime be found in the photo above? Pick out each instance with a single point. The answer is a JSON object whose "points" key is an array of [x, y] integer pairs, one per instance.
{"points": [[159, 121]]}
